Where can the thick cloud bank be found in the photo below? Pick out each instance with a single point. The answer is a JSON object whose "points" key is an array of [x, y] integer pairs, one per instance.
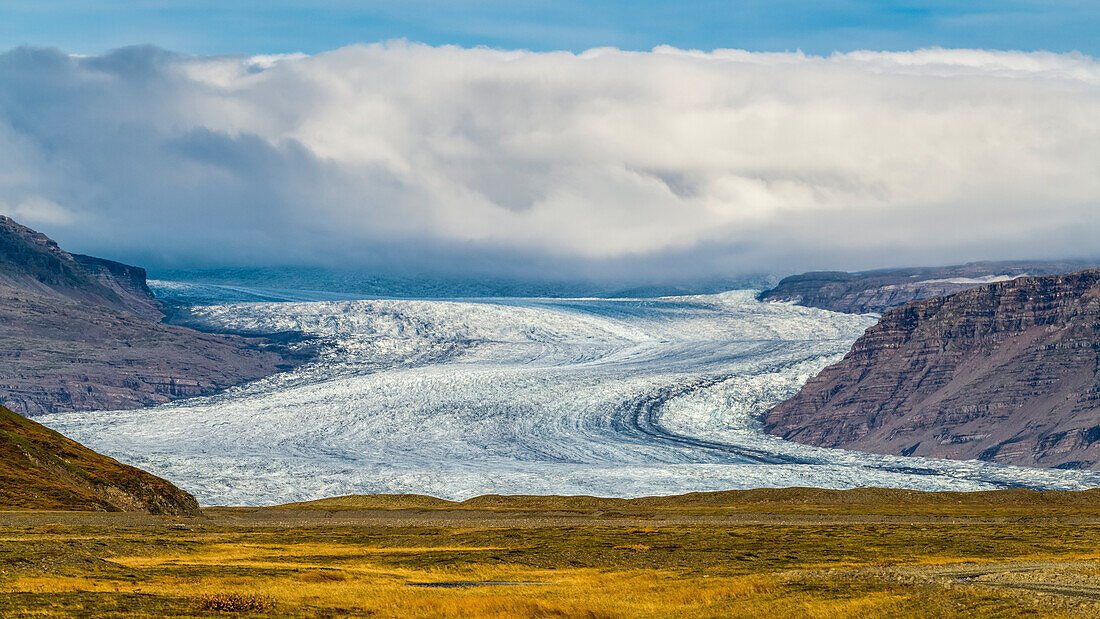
{"points": [[403, 154]]}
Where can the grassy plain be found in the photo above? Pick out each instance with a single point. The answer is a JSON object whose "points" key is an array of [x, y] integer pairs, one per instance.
{"points": [[780, 553]]}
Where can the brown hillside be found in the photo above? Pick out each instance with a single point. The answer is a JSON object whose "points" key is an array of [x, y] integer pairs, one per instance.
{"points": [[1008, 372], [41, 469], [83, 333]]}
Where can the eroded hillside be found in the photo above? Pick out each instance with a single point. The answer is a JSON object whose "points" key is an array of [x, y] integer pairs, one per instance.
{"points": [[1008, 372]]}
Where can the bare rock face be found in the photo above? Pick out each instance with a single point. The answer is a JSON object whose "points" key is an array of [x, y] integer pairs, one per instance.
{"points": [[125, 281], [1008, 372], [877, 291], [83, 333], [33, 262]]}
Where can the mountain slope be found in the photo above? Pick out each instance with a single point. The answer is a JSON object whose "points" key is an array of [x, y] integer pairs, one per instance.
{"points": [[83, 333], [41, 469], [33, 262], [1008, 372], [877, 291]]}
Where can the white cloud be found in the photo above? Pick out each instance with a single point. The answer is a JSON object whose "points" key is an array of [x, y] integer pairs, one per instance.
{"points": [[724, 160], [38, 211]]}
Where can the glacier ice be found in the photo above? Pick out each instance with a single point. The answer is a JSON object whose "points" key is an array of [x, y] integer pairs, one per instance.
{"points": [[454, 398]]}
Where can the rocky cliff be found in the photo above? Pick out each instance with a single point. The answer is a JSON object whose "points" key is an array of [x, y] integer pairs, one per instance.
{"points": [[877, 291], [33, 262], [83, 333], [127, 282], [1008, 372], [40, 469]]}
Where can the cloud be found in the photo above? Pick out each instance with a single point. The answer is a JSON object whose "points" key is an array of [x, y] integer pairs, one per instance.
{"points": [[405, 156], [37, 211]]}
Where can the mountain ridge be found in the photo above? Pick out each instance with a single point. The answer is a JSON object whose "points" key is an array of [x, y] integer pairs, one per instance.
{"points": [[32, 261], [878, 290], [1007, 372], [84, 333]]}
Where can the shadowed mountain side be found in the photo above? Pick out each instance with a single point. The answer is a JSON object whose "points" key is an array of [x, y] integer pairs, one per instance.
{"points": [[877, 291], [83, 333], [33, 262], [41, 469], [1007, 372], [58, 355]]}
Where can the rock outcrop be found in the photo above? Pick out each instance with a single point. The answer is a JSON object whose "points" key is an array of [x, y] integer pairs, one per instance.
{"points": [[40, 469], [83, 333], [1007, 372], [127, 282], [33, 262], [877, 291]]}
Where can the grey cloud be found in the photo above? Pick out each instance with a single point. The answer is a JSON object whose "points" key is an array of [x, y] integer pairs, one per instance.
{"points": [[608, 163]]}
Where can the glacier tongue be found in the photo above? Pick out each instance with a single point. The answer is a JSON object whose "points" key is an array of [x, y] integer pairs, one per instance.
{"points": [[614, 397]]}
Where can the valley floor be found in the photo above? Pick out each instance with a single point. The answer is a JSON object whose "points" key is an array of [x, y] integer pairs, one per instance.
{"points": [[790, 553]]}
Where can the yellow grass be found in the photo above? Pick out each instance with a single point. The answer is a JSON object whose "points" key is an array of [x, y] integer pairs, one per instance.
{"points": [[316, 579], [786, 568]]}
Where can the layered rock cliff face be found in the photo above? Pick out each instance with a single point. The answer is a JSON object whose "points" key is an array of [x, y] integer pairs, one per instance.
{"points": [[33, 262], [125, 281], [1008, 372], [82, 333], [877, 291], [40, 469]]}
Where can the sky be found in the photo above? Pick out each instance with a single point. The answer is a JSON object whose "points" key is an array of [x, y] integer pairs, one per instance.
{"points": [[815, 27], [614, 140]]}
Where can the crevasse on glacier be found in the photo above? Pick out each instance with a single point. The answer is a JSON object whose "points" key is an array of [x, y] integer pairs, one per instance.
{"points": [[614, 397]]}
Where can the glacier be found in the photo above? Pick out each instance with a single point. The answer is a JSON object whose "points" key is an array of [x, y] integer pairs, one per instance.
{"points": [[456, 398]]}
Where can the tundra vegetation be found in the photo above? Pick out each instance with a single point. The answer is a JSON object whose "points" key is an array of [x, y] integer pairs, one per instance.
{"points": [[779, 553]]}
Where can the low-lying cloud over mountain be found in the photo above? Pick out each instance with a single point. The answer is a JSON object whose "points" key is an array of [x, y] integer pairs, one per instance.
{"points": [[407, 156]]}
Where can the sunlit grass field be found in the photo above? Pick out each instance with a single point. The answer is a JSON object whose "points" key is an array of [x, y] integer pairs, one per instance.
{"points": [[775, 567]]}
